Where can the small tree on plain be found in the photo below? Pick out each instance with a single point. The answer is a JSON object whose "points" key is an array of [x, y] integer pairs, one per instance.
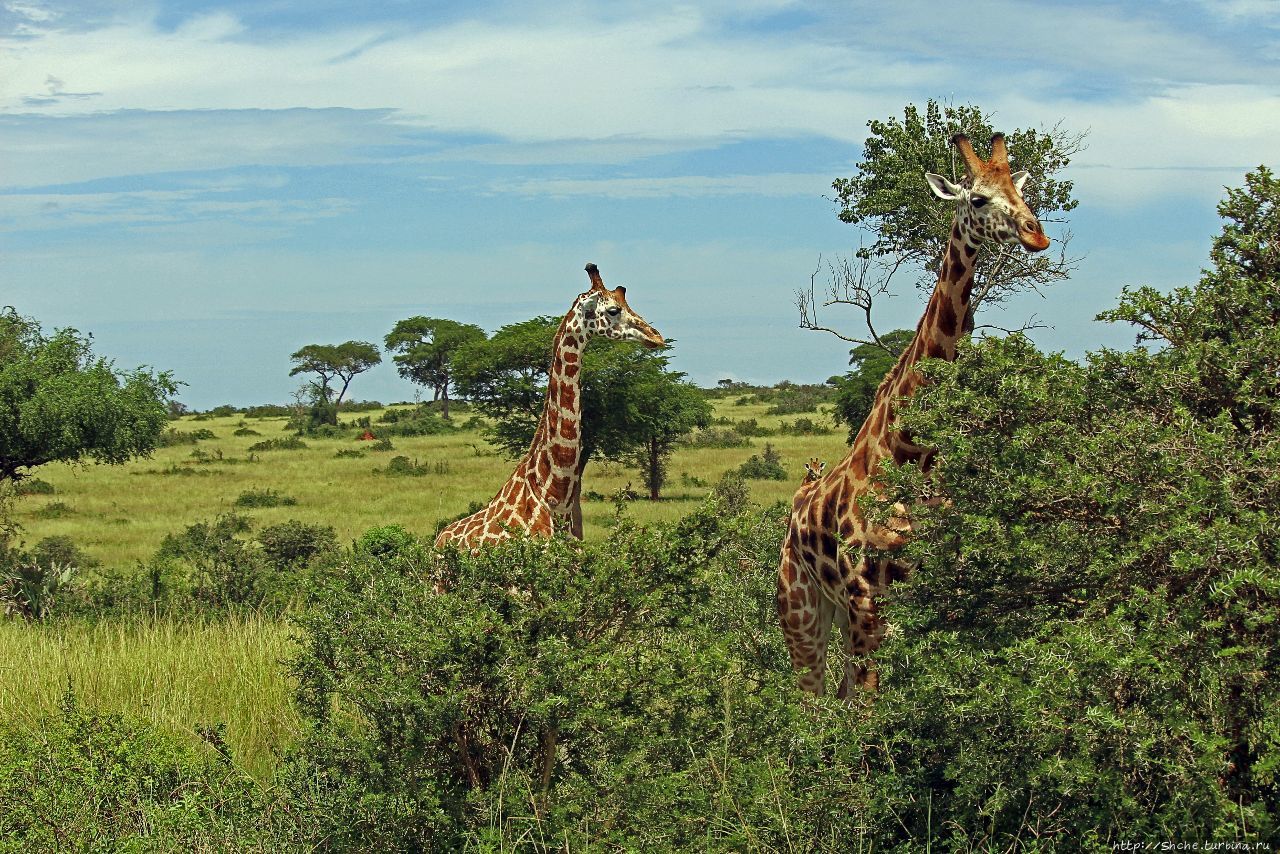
{"points": [[425, 348]]}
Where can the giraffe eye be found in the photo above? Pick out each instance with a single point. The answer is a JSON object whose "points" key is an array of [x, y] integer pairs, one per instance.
{"points": [[613, 311], [978, 201]]}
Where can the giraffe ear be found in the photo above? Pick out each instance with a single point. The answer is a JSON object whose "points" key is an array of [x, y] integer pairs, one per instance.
{"points": [[822, 467], [942, 188], [1019, 178]]}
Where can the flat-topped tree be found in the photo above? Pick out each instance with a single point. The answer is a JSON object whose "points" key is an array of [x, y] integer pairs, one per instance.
{"points": [[330, 362], [425, 348]]}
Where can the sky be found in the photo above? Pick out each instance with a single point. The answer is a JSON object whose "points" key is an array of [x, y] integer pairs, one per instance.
{"points": [[207, 186]]}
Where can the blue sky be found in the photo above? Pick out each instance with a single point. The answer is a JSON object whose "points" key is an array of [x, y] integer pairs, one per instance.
{"points": [[208, 186]]}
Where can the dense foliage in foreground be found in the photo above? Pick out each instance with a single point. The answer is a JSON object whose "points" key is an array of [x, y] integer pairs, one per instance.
{"points": [[1087, 654]]}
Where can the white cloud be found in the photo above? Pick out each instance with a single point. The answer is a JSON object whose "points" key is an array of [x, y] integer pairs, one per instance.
{"points": [[777, 184]]}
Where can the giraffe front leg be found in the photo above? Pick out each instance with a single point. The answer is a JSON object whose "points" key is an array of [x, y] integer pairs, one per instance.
{"points": [[861, 631], [806, 617]]}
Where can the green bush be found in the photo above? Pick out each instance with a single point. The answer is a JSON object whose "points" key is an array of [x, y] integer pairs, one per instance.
{"points": [[245, 431], [264, 498], [405, 467], [1088, 650], [713, 437], [764, 466], [284, 443], [293, 544], [527, 703], [354, 453], [172, 437], [33, 486]]}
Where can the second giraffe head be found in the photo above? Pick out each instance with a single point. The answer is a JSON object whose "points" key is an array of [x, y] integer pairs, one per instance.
{"points": [[992, 209], [605, 313]]}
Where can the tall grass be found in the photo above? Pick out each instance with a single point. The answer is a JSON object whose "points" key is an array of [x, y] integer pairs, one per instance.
{"points": [[182, 675]]}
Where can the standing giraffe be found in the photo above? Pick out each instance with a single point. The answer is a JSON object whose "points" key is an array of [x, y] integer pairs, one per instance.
{"points": [[827, 570], [545, 484]]}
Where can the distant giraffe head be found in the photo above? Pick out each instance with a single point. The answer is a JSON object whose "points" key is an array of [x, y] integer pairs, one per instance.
{"points": [[605, 313], [991, 207], [813, 469]]}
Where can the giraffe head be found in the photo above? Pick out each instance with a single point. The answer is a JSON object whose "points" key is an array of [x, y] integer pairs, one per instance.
{"points": [[992, 209], [605, 313], [813, 469]]}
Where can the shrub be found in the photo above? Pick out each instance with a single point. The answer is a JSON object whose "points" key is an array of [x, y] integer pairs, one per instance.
{"points": [[245, 431], [712, 437], [173, 436], [803, 427], [33, 486], [222, 569], [414, 422], [383, 444], [354, 453], [293, 544], [264, 498], [55, 510], [750, 427], [284, 443], [522, 704], [404, 467], [765, 466]]}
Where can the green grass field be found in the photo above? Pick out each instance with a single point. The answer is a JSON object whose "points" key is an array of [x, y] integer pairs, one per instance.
{"points": [[184, 675], [120, 514], [180, 675]]}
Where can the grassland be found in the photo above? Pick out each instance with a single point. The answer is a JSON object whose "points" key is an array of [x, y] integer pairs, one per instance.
{"points": [[180, 675], [120, 514], [186, 675]]}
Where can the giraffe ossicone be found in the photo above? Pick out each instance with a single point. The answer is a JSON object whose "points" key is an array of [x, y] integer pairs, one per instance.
{"points": [[542, 493], [833, 562]]}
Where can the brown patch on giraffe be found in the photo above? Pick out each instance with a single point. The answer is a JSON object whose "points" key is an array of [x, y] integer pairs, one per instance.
{"points": [[568, 398], [570, 358], [570, 371], [934, 350], [569, 430], [953, 259], [858, 463], [564, 456], [946, 322], [544, 466]]}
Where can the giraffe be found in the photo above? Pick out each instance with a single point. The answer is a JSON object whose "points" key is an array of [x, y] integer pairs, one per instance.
{"points": [[833, 564], [813, 470], [542, 492]]}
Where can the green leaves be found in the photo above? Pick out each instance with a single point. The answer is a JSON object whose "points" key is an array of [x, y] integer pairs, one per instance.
{"points": [[1091, 638], [60, 403]]}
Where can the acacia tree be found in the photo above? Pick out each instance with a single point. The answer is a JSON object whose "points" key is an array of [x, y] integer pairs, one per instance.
{"points": [[60, 403], [425, 348], [909, 227], [335, 361]]}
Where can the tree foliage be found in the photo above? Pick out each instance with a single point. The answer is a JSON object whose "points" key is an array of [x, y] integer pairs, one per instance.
{"points": [[425, 348], [58, 402], [1089, 648], [330, 362], [909, 226]]}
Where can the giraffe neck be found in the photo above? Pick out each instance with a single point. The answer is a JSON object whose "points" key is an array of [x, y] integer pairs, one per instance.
{"points": [[937, 334], [557, 445]]}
